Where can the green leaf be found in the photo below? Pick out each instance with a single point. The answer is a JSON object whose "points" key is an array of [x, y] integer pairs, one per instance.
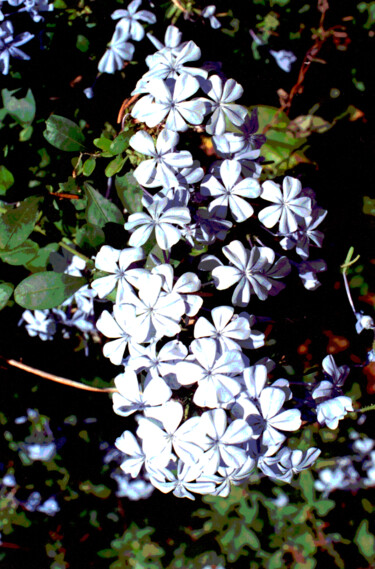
{"points": [[64, 134], [324, 506], [6, 290], [82, 43], [17, 224], [365, 541], [99, 209], [237, 537], [46, 290], [282, 147], [6, 180], [306, 482], [20, 255], [26, 133], [88, 166], [89, 237], [129, 192], [103, 143], [121, 142], [41, 260], [21, 110], [115, 166]]}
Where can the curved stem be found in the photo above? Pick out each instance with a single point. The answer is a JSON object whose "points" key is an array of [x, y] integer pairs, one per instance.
{"points": [[58, 379]]}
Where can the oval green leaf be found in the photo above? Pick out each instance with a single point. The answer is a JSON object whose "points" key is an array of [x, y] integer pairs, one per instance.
{"points": [[6, 180], [89, 166], [46, 290], [17, 224], [64, 134], [20, 255], [99, 210], [6, 290]]}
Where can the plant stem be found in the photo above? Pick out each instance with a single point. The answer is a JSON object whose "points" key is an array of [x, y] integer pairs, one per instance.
{"points": [[73, 251], [59, 379]]}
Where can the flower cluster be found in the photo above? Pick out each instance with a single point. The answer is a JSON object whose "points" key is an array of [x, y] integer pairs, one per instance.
{"points": [[206, 415], [128, 27], [9, 44], [350, 472]]}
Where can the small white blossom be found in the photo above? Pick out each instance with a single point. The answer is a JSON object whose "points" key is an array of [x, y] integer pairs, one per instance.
{"points": [[284, 59], [129, 20], [117, 263], [160, 219], [289, 206], [231, 192], [222, 105], [131, 397], [161, 169], [118, 51]]}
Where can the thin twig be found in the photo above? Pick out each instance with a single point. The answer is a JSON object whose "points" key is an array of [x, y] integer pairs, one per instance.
{"points": [[178, 5], [59, 379]]}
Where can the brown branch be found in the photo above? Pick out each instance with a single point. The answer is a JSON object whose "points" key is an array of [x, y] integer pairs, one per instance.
{"points": [[320, 38], [58, 379]]}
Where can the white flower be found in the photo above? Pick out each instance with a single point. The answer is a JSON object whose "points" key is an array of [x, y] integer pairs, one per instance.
{"points": [[308, 271], [231, 192], [172, 41], [9, 45], [288, 208], [245, 141], [252, 270], [255, 379], [364, 322], [226, 328], [166, 65], [128, 445], [116, 263], [161, 432], [221, 443], [266, 416], [222, 107], [209, 12], [307, 232], [214, 372], [129, 22], [331, 411], [118, 51], [33, 7], [182, 484], [185, 285], [226, 476], [170, 103], [161, 363], [284, 59], [44, 452], [161, 219], [157, 313], [39, 323], [117, 326], [162, 168], [130, 398], [330, 479], [50, 507]]}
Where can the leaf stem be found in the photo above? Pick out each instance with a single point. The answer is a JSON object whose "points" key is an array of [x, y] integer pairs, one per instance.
{"points": [[73, 251]]}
